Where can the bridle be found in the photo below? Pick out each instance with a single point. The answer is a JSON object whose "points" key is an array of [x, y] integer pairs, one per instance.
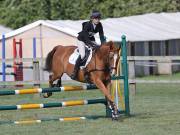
{"points": [[116, 58], [108, 61]]}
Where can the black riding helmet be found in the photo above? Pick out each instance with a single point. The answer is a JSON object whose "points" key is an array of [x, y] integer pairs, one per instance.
{"points": [[95, 14]]}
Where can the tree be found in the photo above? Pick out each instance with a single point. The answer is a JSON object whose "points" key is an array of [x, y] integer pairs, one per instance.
{"points": [[17, 13]]}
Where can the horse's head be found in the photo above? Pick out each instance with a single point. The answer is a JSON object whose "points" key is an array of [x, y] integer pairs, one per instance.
{"points": [[112, 55]]}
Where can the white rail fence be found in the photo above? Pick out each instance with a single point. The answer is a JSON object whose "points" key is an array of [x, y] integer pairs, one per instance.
{"points": [[146, 61]]}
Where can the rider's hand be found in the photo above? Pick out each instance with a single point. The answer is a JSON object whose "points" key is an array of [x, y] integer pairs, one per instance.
{"points": [[88, 45], [94, 43], [96, 47]]}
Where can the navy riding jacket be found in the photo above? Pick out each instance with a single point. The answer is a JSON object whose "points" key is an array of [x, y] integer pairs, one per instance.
{"points": [[88, 32]]}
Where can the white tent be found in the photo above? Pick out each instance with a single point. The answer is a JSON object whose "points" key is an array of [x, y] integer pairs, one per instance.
{"points": [[147, 27]]}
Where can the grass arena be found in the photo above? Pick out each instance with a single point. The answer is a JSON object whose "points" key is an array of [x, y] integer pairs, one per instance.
{"points": [[153, 108]]}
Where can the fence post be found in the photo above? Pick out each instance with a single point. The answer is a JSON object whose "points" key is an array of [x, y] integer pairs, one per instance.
{"points": [[36, 73], [125, 74], [132, 83]]}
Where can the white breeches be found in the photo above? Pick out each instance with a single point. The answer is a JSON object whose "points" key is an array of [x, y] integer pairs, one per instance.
{"points": [[81, 47]]}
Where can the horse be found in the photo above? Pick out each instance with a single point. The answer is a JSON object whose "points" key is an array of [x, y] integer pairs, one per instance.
{"points": [[99, 70]]}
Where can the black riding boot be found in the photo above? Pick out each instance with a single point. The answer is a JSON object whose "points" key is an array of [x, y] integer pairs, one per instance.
{"points": [[76, 68]]}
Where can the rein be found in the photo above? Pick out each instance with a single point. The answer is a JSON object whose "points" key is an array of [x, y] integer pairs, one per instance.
{"points": [[95, 69], [107, 69]]}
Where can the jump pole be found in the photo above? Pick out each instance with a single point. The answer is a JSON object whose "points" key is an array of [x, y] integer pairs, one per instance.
{"points": [[31, 121], [52, 105], [45, 90]]}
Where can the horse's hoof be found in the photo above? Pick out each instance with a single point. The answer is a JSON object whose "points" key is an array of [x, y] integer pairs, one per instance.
{"points": [[46, 95], [114, 112], [115, 118]]}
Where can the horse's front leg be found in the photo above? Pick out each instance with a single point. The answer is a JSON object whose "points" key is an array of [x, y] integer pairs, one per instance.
{"points": [[106, 92], [112, 105]]}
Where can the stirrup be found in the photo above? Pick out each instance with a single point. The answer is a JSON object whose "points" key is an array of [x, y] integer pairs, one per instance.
{"points": [[73, 76]]}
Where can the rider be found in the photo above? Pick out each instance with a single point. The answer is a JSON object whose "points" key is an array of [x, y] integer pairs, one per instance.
{"points": [[86, 37]]}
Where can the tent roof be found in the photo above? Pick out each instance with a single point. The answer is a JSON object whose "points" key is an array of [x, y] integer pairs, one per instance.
{"points": [[147, 27]]}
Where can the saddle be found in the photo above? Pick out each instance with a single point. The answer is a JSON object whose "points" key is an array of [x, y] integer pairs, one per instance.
{"points": [[88, 55]]}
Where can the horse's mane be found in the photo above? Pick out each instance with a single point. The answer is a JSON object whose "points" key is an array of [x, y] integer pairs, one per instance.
{"points": [[108, 45], [104, 49]]}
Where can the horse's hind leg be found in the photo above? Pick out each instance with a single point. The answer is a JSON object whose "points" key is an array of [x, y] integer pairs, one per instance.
{"points": [[59, 84], [52, 78]]}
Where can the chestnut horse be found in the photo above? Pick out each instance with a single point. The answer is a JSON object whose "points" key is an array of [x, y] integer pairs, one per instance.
{"points": [[99, 70]]}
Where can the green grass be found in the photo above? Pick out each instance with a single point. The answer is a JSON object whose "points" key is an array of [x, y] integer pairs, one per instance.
{"points": [[155, 110]]}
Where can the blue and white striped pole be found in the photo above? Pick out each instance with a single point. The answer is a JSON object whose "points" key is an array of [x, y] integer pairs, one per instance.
{"points": [[3, 58], [34, 48]]}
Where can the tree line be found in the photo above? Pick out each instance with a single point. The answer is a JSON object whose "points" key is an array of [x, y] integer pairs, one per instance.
{"points": [[17, 13]]}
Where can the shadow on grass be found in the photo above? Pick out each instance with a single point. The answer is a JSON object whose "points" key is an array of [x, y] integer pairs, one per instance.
{"points": [[148, 115]]}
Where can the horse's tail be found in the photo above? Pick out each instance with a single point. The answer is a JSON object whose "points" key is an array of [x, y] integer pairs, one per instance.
{"points": [[49, 59]]}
